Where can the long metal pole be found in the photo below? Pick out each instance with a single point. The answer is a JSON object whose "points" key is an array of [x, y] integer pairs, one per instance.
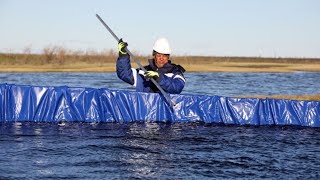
{"points": [[139, 64]]}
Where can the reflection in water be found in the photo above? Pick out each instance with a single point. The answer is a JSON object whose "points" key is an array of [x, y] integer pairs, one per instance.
{"points": [[148, 149], [17, 127]]}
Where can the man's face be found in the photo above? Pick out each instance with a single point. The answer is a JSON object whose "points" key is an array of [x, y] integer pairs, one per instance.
{"points": [[161, 59]]}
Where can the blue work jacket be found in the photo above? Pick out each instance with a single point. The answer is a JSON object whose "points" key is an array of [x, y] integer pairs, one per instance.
{"points": [[170, 79]]}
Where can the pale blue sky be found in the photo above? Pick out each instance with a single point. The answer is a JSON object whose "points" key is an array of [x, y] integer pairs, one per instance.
{"points": [[268, 28]]}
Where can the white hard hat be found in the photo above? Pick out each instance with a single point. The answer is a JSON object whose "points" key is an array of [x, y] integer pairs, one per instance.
{"points": [[162, 46]]}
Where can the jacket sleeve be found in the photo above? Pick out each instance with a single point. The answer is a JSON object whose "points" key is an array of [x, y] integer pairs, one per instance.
{"points": [[124, 70], [172, 83]]}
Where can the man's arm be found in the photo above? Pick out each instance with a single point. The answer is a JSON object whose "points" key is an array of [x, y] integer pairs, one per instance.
{"points": [[124, 70], [172, 83]]}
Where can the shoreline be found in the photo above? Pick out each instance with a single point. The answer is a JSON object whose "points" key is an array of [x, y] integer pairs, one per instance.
{"points": [[61, 60], [254, 67]]}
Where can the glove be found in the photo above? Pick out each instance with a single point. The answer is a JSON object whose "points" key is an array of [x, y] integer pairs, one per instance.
{"points": [[151, 74], [122, 48]]}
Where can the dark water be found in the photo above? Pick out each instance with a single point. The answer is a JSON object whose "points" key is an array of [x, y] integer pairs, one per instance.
{"points": [[163, 151]]}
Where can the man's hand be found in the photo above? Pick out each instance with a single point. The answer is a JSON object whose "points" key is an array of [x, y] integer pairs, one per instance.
{"points": [[122, 48], [151, 74]]}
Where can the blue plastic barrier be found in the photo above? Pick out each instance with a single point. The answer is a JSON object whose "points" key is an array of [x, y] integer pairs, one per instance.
{"points": [[21, 103]]}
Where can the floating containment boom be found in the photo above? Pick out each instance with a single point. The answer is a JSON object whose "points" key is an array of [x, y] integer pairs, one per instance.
{"points": [[20, 103]]}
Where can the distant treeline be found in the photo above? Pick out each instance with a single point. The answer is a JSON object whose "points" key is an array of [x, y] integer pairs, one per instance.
{"points": [[59, 55]]}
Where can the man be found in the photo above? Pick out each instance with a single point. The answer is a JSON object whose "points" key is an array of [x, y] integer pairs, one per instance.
{"points": [[169, 76]]}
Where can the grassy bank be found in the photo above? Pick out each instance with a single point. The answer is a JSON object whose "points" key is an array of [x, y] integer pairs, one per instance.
{"points": [[57, 59]]}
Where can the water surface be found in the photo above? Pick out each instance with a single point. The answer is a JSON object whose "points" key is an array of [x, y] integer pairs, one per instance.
{"points": [[223, 84], [162, 151]]}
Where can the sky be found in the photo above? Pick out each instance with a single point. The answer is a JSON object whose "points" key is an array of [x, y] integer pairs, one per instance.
{"points": [[258, 28]]}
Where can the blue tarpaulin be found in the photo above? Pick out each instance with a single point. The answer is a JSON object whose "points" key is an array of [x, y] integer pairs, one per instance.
{"points": [[20, 103]]}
